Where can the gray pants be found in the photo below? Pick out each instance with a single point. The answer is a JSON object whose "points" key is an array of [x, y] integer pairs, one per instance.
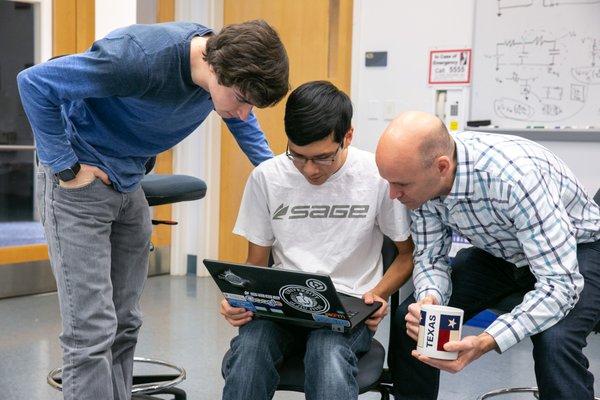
{"points": [[98, 241]]}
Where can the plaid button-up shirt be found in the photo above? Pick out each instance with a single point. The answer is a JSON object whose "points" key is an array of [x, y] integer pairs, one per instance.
{"points": [[516, 200]]}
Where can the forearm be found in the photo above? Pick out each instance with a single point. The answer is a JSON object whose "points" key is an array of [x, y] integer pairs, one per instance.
{"points": [[250, 138], [44, 115], [397, 275], [541, 308], [433, 240], [258, 255], [109, 68], [432, 279]]}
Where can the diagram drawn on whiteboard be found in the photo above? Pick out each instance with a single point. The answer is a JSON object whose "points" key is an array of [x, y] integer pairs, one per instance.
{"points": [[536, 63], [548, 75]]}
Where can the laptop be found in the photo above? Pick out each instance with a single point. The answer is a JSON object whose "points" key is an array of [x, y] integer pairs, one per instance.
{"points": [[299, 298]]}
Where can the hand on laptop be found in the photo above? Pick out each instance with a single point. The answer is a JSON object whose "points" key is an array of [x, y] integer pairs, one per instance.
{"points": [[235, 316], [373, 321]]}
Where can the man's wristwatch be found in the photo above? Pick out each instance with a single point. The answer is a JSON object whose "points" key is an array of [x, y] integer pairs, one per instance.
{"points": [[68, 174]]}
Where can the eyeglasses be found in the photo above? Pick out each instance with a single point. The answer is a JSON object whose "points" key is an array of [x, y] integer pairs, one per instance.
{"points": [[301, 160]]}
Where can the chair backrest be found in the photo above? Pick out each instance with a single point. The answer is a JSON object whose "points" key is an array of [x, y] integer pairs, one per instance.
{"points": [[389, 251]]}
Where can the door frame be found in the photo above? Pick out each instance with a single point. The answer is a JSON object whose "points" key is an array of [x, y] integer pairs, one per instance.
{"points": [[42, 29], [198, 155]]}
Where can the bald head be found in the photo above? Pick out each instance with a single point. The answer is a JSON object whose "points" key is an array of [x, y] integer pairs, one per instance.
{"points": [[416, 135], [410, 150]]}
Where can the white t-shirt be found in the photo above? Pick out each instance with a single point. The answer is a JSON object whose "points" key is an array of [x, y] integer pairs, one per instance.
{"points": [[333, 229]]}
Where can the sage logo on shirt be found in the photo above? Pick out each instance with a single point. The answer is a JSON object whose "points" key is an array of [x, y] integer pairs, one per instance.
{"points": [[280, 212], [322, 211]]}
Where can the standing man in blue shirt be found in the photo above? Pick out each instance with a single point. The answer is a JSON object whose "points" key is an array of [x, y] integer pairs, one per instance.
{"points": [[97, 118], [533, 228]]}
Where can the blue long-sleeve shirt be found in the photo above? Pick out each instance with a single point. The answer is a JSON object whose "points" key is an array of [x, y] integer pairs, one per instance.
{"points": [[126, 99]]}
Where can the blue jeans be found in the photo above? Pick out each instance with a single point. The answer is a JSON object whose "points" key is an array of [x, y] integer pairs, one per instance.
{"points": [[479, 281], [330, 360], [99, 242]]}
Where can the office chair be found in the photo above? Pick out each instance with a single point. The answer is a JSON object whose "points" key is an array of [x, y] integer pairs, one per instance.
{"points": [[159, 190], [505, 306], [371, 375]]}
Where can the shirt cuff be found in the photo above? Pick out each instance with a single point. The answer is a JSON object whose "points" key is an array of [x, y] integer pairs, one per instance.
{"points": [[431, 292], [64, 162], [503, 333]]}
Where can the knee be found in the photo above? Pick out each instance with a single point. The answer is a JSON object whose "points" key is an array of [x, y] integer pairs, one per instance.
{"points": [[462, 263], [91, 339], [256, 340], [557, 340], [129, 318], [328, 355]]}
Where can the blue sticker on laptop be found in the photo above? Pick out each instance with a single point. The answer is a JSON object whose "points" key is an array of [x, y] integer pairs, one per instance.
{"points": [[328, 320], [242, 304]]}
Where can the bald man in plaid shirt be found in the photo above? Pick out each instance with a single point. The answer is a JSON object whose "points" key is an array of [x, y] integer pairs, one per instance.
{"points": [[534, 230]]}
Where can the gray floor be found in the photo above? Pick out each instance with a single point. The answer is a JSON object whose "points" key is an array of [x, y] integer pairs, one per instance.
{"points": [[182, 325]]}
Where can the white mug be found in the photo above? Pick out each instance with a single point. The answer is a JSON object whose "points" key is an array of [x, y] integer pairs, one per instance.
{"points": [[438, 326]]}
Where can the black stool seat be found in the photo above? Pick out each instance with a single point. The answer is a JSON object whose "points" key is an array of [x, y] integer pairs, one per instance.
{"points": [[291, 372], [168, 189]]}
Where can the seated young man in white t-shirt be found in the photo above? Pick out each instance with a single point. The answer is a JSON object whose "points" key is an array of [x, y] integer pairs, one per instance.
{"points": [[296, 206]]}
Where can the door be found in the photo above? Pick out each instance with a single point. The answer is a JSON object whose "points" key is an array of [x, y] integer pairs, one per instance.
{"points": [[24, 265], [317, 35]]}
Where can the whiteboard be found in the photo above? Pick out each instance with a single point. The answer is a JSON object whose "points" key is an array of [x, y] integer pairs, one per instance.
{"points": [[536, 63]]}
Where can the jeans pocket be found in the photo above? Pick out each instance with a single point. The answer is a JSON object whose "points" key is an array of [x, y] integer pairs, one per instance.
{"points": [[79, 188]]}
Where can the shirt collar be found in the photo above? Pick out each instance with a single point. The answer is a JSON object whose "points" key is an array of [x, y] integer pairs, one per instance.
{"points": [[463, 178]]}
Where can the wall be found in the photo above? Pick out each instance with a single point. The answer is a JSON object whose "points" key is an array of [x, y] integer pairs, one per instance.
{"points": [[113, 14], [408, 30]]}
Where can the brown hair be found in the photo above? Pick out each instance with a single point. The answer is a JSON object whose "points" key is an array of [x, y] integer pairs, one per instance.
{"points": [[250, 57]]}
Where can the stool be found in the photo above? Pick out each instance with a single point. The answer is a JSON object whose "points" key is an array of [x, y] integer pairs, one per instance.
{"points": [[142, 385]]}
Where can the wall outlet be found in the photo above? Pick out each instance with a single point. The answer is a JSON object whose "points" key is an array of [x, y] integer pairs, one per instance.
{"points": [[389, 110], [374, 109]]}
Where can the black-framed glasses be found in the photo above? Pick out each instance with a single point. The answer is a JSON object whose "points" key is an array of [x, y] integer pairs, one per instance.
{"points": [[301, 160]]}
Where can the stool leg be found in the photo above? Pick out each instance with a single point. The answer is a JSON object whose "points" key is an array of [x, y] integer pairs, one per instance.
{"points": [[384, 391]]}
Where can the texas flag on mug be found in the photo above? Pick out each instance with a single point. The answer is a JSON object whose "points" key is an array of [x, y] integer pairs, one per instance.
{"points": [[449, 330], [421, 338]]}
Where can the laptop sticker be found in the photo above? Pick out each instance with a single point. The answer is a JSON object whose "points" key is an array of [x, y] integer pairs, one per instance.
{"points": [[304, 299], [234, 296], [316, 284], [328, 320], [234, 279], [242, 304]]}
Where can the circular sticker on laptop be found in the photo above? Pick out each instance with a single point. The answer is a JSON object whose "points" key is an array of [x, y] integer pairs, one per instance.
{"points": [[304, 299], [316, 284]]}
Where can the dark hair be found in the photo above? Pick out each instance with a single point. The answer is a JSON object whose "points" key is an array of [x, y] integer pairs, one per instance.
{"points": [[250, 57], [316, 110]]}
